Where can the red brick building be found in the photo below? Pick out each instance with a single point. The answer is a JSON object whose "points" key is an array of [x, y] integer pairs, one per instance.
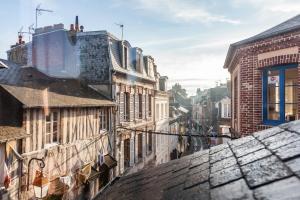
{"points": [[265, 78]]}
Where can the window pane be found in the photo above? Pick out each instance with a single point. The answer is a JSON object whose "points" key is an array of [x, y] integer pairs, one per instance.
{"points": [[290, 112], [48, 127], [54, 116], [291, 76], [273, 86], [273, 94], [291, 94], [273, 112], [48, 138], [54, 137], [54, 126]]}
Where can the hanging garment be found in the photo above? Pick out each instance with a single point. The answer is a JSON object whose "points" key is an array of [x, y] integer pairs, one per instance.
{"points": [[66, 180], [4, 174], [100, 159], [84, 173]]}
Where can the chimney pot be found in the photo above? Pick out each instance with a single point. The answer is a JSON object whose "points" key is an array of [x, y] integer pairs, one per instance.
{"points": [[20, 39], [76, 24]]}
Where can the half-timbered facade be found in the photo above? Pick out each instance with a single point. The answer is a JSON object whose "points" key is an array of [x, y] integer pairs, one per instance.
{"points": [[65, 123]]}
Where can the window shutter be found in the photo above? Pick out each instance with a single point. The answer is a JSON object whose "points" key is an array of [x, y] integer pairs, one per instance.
{"points": [[143, 107], [147, 105], [136, 144], [131, 151], [131, 107], [144, 145], [136, 106], [121, 162], [121, 107]]}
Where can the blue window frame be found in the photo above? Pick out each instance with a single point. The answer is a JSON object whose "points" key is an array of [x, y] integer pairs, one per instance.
{"points": [[274, 91]]}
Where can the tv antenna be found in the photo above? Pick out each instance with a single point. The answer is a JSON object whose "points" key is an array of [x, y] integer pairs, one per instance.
{"points": [[122, 29], [38, 11], [29, 32]]}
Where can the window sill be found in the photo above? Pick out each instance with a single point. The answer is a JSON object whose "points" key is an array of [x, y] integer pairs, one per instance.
{"points": [[50, 145], [103, 131]]}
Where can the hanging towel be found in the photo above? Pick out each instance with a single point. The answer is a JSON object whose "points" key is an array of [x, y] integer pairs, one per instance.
{"points": [[4, 174], [66, 180], [100, 159]]}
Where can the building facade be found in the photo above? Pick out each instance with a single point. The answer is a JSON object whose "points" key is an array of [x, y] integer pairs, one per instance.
{"points": [[161, 102], [224, 118], [62, 122], [265, 78], [111, 67]]}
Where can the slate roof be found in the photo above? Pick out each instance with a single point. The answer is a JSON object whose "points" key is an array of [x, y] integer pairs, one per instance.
{"points": [[8, 133], [2, 65], [263, 166], [114, 51], [284, 27], [35, 89]]}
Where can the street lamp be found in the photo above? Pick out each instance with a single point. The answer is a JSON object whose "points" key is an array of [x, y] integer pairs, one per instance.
{"points": [[40, 182], [40, 185]]}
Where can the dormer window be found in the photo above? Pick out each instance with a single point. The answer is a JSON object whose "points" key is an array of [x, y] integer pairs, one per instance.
{"points": [[147, 64], [138, 62], [125, 57]]}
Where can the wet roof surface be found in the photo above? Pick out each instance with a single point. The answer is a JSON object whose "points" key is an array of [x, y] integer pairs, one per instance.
{"points": [[263, 166]]}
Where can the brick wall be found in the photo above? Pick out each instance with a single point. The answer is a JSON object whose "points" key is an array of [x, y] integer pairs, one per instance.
{"points": [[251, 75]]}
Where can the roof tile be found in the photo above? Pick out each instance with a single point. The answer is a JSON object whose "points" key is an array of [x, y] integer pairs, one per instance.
{"points": [[224, 176], [265, 170], [287, 189], [254, 156], [234, 190]]}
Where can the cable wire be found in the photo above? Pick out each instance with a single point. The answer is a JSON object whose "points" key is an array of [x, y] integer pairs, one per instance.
{"points": [[185, 135]]}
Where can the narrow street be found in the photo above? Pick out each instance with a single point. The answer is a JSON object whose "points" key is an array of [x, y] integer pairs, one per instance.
{"points": [[196, 142]]}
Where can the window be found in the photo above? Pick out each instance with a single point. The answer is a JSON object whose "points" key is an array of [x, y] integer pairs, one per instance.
{"points": [[126, 153], [225, 110], [280, 94], [157, 112], [162, 111], [138, 63], [140, 146], [52, 127], [149, 142], [103, 119], [125, 57], [149, 105], [166, 110], [126, 106], [140, 106]]}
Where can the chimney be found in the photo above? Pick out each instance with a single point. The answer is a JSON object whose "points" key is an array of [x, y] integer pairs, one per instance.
{"points": [[76, 24], [81, 28], [20, 39], [72, 27]]}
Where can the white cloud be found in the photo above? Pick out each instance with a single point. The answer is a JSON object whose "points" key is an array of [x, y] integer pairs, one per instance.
{"points": [[164, 41], [281, 6], [181, 11], [192, 70]]}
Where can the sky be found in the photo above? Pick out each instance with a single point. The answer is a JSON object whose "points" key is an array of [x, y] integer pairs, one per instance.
{"points": [[188, 39]]}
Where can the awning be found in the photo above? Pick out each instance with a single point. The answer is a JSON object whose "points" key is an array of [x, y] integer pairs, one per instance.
{"points": [[109, 161]]}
